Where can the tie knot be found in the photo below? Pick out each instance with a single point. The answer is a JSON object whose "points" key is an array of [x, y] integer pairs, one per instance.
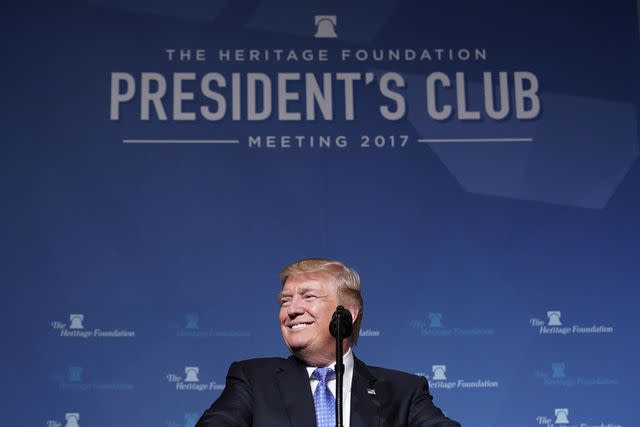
{"points": [[323, 374]]}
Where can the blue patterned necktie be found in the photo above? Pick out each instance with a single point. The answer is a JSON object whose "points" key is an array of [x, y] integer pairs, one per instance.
{"points": [[323, 398]]}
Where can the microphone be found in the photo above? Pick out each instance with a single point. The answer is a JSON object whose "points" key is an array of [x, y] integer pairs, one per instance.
{"points": [[341, 318]]}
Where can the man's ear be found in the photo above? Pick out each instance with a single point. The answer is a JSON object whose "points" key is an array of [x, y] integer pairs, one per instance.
{"points": [[354, 311]]}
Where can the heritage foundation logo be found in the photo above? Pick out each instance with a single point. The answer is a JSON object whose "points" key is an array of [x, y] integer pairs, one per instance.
{"points": [[190, 327], [434, 326], [562, 418], [191, 374], [558, 370], [190, 381], [435, 320], [76, 321], [557, 376], [555, 326], [74, 381], [192, 320], [326, 26], [71, 419], [554, 318], [439, 372], [439, 378], [76, 329]]}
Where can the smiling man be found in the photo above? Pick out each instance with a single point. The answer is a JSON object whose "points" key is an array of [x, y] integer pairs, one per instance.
{"points": [[299, 391]]}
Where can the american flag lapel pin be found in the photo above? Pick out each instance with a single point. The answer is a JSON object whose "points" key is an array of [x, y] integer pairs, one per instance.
{"points": [[371, 391]]}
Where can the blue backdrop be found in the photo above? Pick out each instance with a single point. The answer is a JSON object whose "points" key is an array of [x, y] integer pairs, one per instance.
{"points": [[478, 167]]}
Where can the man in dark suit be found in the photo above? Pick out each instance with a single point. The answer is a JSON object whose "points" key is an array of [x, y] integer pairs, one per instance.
{"points": [[299, 391]]}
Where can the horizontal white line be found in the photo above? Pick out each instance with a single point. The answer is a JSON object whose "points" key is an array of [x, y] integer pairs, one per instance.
{"points": [[180, 141], [444, 140]]}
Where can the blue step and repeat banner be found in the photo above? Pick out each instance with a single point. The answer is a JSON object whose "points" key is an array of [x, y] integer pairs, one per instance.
{"points": [[476, 162]]}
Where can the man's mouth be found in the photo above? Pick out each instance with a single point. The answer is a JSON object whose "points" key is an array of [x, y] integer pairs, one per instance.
{"points": [[297, 326]]}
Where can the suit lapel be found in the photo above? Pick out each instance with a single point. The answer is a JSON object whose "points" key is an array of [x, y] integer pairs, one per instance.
{"points": [[365, 405], [293, 383]]}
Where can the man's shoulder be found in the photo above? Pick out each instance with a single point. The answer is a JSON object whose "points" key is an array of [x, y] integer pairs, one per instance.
{"points": [[393, 375], [262, 363]]}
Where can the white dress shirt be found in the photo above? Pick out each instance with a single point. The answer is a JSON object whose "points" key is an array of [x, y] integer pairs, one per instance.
{"points": [[347, 359]]}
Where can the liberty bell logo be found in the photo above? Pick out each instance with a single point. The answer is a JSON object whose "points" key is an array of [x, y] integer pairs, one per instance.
{"points": [[75, 374], [558, 370], [562, 416], [554, 318], [326, 26], [191, 320], [191, 374], [72, 419], [76, 321], [435, 320], [439, 372]]}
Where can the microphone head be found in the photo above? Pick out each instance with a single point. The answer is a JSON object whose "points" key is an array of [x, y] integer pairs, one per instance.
{"points": [[345, 324]]}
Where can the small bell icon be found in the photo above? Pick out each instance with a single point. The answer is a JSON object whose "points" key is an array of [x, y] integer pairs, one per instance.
{"points": [[562, 416], [439, 372], [191, 373], [554, 318], [72, 419], [76, 321], [435, 320], [325, 27]]}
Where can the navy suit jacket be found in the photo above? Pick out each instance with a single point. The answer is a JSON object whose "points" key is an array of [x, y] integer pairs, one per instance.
{"points": [[275, 392]]}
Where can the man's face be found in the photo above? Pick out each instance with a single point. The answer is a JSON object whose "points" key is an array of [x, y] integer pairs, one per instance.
{"points": [[307, 302]]}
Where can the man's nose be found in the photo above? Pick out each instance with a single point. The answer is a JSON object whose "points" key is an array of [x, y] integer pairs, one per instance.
{"points": [[295, 308]]}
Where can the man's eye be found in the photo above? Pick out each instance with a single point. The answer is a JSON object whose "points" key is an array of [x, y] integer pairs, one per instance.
{"points": [[309, 296], [285, 301]]}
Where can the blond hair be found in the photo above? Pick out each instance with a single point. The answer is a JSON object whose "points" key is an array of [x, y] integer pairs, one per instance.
{"points": [[347, 281]]}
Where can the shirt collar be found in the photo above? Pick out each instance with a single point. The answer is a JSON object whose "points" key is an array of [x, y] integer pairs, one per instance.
{"points": [[347, 359]]}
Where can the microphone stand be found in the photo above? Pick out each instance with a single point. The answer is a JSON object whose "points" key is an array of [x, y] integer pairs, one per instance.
{"points": [[339, 369], [341, 327]]}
